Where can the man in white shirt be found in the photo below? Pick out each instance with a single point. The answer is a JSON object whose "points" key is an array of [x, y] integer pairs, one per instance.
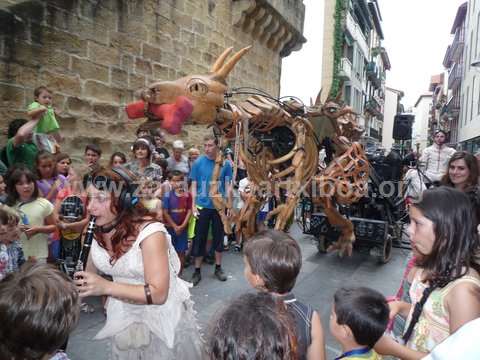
{"points": [[434, 159]]}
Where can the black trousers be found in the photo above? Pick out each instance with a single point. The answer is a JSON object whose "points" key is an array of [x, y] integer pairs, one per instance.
{"points": [[205, 218]]}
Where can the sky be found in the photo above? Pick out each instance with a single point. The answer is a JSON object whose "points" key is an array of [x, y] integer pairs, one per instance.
{"points": [[417, 33]]}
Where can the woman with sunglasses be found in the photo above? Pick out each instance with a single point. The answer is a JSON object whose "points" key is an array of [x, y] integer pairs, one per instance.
{"points": [[149, 313]]}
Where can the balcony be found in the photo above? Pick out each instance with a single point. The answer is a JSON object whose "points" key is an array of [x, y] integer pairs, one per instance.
{"points": [[345, 69], [455, 76], [374, 108], [357, 35], [373, 74], [456, 50]]}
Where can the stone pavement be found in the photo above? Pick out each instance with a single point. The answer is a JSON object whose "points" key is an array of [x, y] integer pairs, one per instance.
{"points": [[320, 276]]}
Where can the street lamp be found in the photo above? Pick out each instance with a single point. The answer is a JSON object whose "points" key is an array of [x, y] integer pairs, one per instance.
{"points": [[476, 63]]}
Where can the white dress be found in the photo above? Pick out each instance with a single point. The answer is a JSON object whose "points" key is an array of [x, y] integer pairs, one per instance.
{"points": [[167, 331]]}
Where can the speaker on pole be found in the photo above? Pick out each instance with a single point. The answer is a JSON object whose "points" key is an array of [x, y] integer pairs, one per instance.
{"points": [[402, 126]]}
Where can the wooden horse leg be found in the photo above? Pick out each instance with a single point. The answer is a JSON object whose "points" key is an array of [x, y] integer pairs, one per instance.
{"points": [[220, 204], [344, 244]]}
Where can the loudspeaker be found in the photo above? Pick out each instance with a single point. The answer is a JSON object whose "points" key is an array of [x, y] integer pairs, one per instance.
{"points": [[402, 126]]}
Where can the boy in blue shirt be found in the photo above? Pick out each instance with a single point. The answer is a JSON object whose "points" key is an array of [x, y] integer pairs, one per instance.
{"points": [[203, 208]]}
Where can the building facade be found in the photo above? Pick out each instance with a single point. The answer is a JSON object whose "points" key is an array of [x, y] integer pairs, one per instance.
{"points": [[454, 63], [469, 121], [361, 68], [94, 55], [420, 129]]}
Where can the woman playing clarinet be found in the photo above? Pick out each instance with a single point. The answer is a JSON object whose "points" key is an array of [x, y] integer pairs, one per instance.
{"points": [[149, 312]]}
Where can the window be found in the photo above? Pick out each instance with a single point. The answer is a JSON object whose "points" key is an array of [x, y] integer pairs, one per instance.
{"points": [[348, 95], [473, 97], [477, 54], [466, 105], [471, 50]]}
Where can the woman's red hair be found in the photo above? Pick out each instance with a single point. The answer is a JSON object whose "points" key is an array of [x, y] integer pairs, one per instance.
{"points": [[128, 225]]}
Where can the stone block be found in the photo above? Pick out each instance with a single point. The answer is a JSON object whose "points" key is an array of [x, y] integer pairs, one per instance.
{"points": [[152, 53], [201, 42], [125, 42], [68, 124], [16, 74], [198, 27], [186, 65], [164, 41], [179, 48], [160, 72], [75, 105], [57, 60], [89, 70], [101, 54], [136, 81], [12, 96], [188, 38], [105, 111], [62, 83], [118, 77], [170, 59], [23, 53], [143, 66], [101, 92], [127, 63], [62, 40], [184, 20], [7, 114]]}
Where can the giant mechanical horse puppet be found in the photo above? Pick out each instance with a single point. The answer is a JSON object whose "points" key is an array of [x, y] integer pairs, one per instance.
{"points": [[277, 141]]}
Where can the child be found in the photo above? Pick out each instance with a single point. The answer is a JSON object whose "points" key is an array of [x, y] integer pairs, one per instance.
{"points": [[3, 192], [36, 213], [272, 263], [149, 199], [445, 279], [38, 309], [178, 209], [11, 253], [46, 133], [49, 181], [118, 159], [359, 318], [64, 164], [269, 336]]}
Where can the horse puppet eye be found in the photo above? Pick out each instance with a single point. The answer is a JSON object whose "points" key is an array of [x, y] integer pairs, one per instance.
{"points": [[197, 87]]}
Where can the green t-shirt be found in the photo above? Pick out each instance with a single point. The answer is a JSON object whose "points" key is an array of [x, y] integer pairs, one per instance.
{"points": [[48, 122], [21, 154]]}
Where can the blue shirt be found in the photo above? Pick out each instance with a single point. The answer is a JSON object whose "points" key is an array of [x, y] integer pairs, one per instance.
{"points": [[202, 170]]}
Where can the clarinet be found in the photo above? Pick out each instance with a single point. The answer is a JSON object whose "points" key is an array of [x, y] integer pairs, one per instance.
{"points": [[87, 243]]}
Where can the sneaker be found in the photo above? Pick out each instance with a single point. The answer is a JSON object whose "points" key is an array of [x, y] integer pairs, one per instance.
{"points": [[210, 260], [220, 275], [196, 278], [237, 248]]}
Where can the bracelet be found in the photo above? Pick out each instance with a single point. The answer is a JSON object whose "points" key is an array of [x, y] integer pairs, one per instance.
{"points": [[148, 294]]}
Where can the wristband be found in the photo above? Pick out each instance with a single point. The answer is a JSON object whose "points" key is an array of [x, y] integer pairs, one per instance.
{"points": [[148, 294]]}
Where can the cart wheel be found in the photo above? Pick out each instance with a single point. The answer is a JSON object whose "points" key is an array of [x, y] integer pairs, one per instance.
{"points": [[322, 244], [385, 253]]}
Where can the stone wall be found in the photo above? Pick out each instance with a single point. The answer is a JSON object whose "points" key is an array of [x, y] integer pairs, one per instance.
{"points": [[95, 54]]}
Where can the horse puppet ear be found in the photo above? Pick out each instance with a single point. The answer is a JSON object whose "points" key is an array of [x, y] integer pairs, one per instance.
{"points": [[221, 70]]}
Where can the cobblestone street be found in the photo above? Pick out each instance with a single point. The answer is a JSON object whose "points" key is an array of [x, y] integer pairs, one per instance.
{"points": [[320, 276]]}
